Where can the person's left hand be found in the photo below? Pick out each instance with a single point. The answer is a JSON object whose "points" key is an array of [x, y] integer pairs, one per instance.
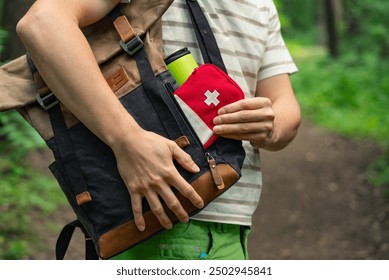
{"points": [[248, 119]]}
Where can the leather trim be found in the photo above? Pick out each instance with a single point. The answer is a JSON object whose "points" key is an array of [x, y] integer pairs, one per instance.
{"points": [[182, 142], [217, 179], [127, 235], [123, 27], [118, 79], [83, 198]]}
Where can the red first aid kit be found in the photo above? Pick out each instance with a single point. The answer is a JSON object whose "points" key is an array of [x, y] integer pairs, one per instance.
{"points": [[207, 90]]}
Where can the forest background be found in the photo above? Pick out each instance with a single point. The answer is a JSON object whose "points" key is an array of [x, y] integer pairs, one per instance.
{"points": [[341, 48]]}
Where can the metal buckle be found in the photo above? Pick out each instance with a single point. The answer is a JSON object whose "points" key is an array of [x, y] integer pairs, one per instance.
{"points": [[132, 46], [48, 101]]}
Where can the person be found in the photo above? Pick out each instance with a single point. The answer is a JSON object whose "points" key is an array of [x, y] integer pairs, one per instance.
{"points": [[248, 34]]}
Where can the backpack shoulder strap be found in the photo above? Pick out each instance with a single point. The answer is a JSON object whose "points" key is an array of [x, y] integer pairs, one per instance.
{"points": [[65, 237], [205, 38]]}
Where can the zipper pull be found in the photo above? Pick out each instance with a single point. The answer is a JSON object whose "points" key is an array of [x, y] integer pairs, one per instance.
{"points": [[217, 179]]}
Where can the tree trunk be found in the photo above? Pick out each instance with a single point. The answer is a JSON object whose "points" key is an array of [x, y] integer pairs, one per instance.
{"points": [[332, 36], [12, 13]]}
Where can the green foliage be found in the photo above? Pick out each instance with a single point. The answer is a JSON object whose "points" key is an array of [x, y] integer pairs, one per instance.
{"points": [[19, 136], [301, 14], [298, 19], [282, 16], [366, 26], [14, 250], [362, 24], [3, 36], [378, 174], [350, 96], [23, 193]]}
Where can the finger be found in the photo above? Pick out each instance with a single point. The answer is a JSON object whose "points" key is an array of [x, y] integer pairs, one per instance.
{"points": [[251, 137], [247, 116], [246, 112], [158, 210], [136, 203], [245, 104], [184, 159], [244, 128], [174, 204], [187, 191]]}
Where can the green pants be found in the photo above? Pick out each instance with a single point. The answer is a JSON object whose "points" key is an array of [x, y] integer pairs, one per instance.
{"points": [[193, 241]]}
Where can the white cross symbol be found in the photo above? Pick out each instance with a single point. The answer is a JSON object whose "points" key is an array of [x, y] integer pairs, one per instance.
{"points": [[212, 98]]}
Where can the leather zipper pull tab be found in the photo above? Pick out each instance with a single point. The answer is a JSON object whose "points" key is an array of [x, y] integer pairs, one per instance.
{"points": [[217, 179]]}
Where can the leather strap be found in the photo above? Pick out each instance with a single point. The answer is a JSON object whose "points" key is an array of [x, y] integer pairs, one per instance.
{"points": [[124, 28]]}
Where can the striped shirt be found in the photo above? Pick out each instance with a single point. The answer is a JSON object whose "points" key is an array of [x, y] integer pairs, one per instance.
{"points": [[250, 41]]}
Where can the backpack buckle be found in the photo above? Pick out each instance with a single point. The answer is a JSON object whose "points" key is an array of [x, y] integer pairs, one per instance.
{"points": [[48, 101], [132, 46]]}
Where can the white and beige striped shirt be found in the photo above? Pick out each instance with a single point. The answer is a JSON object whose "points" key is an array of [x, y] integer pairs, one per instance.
{"points": [[249, 37]]}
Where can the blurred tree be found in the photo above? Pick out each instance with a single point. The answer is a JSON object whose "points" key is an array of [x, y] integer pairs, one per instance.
{"points": [[356, 26], [299, 19], [366, 26], [331, 27], [11, 13]]}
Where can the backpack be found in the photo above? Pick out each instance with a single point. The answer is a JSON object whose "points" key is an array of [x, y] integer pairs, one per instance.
{"points": [[136, 71]]}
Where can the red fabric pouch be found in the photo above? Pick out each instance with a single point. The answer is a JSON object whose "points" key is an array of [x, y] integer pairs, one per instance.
{"points": [[206, 90]]}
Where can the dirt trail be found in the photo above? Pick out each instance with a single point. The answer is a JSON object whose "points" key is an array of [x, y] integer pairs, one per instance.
{"points": [[316, 204]]}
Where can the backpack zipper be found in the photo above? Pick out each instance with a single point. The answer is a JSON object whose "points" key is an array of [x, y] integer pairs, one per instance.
{"points": [[217, 179]]}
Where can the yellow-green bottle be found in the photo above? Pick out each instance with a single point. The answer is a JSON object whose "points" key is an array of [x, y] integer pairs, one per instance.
{"points": [[181, 64]]}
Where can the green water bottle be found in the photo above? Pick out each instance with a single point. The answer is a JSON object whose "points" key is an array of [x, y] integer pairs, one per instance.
{"points": [[181, 64]]}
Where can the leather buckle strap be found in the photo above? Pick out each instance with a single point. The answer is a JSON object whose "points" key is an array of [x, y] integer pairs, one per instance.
{"points": [[124, 28], [130, 41], [45, 97]]}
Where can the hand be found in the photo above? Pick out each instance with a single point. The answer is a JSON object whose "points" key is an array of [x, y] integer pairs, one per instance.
{"points": [[147, 168], [249, 119]]}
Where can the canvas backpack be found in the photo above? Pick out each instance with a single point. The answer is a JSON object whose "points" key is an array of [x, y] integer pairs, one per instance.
{"points": [[127, 45]]}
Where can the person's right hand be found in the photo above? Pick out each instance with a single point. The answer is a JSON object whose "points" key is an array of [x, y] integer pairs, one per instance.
{"points": [[145, 163]]}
